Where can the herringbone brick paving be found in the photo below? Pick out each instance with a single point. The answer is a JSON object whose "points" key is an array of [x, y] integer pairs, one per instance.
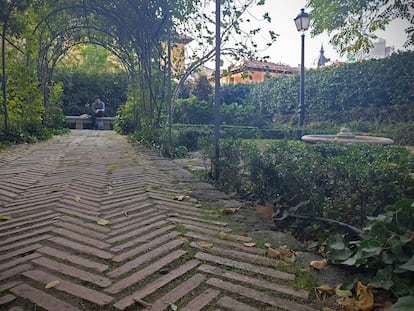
{"points": [[156, 252]]}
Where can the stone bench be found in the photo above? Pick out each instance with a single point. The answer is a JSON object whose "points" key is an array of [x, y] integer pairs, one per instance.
{"points": [[82, 122]]}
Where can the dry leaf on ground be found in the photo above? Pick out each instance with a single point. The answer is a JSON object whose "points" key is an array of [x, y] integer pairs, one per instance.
{"points": [[272, 252], [230, 210], [318, 264], [365, 297], [204, 244], [2, 217], [249, 244], [52, 284], [326, 289], [102, 222], [223, 235]]}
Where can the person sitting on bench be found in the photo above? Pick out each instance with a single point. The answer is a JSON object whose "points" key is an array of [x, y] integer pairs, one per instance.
{"points": [[98, 109]]}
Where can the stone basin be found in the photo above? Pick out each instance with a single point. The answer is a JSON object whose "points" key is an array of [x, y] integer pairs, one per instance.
{"points": [[346, 136]]}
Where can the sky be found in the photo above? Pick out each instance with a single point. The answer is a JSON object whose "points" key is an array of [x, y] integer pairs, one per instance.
{"points": [[287, 48]]}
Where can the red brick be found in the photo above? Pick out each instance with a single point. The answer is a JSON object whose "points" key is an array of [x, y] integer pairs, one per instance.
{"points": [[130, 265], [28, 228], [77, 260], [147, 238], [82, 248], [179, 292], [72, 271], [132, 211], [231, 304], [216, 233], [83, 231], [73, 212], [25, 242], [202, 300], [6, 286], [144, 273], [254, 259], [91, 225], [20, 252], [15, 222], [14, 271], [253, 281], [245, 266], [81, 238], [199, 224], [258, 296], [25, 236], [18, 260], [139, 224], [165, 279], [70, 288], [225, 243], [41, 299], [5, 299]]}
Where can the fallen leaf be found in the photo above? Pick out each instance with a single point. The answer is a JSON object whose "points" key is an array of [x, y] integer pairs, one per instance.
{"points": [[285, 252], [52, 284], [2, 217], [245, 234], [365, 297], [230, 210], [179, 197], [267, 245], [102, 222], [289, 259], [272, 253], [318, 264], [204, 244], [326, 289], [223, 235], [77, 198], [249, 244], [347, 303]]}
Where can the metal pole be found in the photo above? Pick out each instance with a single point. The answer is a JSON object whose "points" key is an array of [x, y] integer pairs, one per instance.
{"points": [[169, 90], [302, 84], [217, 96]]}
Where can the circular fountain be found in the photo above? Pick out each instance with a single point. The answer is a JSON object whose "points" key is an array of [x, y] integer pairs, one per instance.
{"points": [[346, 136]]}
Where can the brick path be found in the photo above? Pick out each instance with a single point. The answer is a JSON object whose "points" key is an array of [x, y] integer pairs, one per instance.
{"points": [[156, 251]]}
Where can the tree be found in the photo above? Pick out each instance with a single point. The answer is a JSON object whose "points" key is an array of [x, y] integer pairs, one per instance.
{"points": [[202, 88], [354, 22]]}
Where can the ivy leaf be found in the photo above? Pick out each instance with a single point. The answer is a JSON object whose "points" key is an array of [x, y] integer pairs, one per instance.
{"points": [[336, 242], [409, 265], [403, 304], [383, 279]]}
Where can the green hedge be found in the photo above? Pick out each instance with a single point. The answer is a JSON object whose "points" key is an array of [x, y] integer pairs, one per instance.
{"points": [[368, 90], [339, 181], [81, 86]]}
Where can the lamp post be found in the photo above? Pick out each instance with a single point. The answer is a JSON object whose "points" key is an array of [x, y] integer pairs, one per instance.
{"points": [[302, 24]]}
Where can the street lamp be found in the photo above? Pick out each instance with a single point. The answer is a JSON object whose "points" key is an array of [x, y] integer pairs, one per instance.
{"points": [[302, 24]]}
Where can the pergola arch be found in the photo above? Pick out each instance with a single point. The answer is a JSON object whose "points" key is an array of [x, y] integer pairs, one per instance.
{"points": [[89, 22]]}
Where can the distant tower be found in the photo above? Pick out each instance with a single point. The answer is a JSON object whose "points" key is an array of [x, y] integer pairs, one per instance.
{"points": [[322, 60]]}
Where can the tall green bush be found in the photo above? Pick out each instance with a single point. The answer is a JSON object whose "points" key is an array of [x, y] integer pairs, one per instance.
{"points": [[347, 183]]}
